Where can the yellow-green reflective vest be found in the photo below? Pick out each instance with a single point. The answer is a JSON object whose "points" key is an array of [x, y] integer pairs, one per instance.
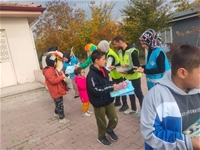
{"points": [[126, 60], [113, 73]]}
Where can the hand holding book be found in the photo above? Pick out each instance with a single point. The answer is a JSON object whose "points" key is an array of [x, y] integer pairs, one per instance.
{"points": [[194, 129], [122, 85], [116, 87], [123, 88], [140, 69]]}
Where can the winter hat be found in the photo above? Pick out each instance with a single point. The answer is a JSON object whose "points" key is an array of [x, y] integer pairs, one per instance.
{"points": [[67, 55], [90, 47], [50, 60], [104, 46]]}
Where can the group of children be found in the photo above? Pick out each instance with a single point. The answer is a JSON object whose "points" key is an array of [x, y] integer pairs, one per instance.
{"points": [[168, 108]]}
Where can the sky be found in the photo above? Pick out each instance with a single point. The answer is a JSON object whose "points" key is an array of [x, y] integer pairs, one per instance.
{"points": [[84, 4]]}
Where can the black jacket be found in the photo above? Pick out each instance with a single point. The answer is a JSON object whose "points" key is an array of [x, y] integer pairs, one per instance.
{"points": [[99, 87]]}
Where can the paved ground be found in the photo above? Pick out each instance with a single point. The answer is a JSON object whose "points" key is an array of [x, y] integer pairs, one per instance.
{"points": [[27, 123]]}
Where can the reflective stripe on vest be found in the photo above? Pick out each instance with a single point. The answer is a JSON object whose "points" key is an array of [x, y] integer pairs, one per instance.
{"points": [[126, 60], [113, 73]]}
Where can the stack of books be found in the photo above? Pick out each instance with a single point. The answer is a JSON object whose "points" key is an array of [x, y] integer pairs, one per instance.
{"points": [[125, 88]]}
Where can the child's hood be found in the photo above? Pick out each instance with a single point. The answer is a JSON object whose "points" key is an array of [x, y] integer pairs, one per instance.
{"points": [[44, 70], [167, 81]]}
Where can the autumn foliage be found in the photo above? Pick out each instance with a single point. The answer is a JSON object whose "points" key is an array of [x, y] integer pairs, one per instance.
{"points": [[66, 25]]}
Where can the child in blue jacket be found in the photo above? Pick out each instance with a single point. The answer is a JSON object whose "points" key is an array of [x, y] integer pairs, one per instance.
{"points": [[68, 61], [173, 104]]}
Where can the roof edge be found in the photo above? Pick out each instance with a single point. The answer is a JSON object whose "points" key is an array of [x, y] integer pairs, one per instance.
{"points": [[22, 8], [184, 17]]}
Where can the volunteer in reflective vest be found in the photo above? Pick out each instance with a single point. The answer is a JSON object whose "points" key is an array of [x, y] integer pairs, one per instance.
{"points": [[128, 57], [156, 62], [112, 60]]}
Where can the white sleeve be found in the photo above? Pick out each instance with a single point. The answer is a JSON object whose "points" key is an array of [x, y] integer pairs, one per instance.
{"points": [[109, 62]]}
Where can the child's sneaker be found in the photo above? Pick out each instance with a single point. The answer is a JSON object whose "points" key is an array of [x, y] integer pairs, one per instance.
{"points": [[63, 121], [89, 112], [104, 141], [86, 114], [56, 115], [112, 135]]}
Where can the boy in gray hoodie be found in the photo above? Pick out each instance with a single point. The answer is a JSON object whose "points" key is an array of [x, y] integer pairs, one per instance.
{"points": [[171, 106]]}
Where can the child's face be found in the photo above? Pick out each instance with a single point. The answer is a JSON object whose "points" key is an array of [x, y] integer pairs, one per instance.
{"points": [[101, 62], [82, 73], [192, 79], [65, 59]]}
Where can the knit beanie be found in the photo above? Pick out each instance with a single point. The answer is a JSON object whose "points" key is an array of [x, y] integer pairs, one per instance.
{"points": [[104, 46], [67, 55], [50, 60], [90, 47]]}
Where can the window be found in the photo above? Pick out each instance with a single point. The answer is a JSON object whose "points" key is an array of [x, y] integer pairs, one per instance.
{"points": [[166, 35]]}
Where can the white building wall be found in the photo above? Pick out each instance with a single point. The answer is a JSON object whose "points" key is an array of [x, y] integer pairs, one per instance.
{"points": [[21, 48]]}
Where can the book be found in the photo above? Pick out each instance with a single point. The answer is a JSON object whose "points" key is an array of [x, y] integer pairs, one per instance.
{"points": [[69, 69], [127, 93], [126, 90], [121, 68], [194, 129]]}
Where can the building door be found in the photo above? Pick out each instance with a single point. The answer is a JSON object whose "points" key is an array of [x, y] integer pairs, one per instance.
{"points": [[8, 77]]}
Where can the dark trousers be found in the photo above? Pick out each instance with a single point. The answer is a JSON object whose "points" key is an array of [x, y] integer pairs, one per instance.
{"points": [[138, 92], [101, 114], [117, 98], [59, 109]]}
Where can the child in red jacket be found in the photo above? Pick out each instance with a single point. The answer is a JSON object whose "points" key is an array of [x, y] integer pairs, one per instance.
{"points": [[53, 80], [80, 81]]}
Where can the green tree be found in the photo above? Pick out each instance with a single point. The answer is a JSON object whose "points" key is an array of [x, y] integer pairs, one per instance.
{"points": [[65, 25], [100, 26], [141, 15], [58, 26], [182, 5]]}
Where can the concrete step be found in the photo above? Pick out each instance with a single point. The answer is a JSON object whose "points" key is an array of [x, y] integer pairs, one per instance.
{"points": [[20, 89]]}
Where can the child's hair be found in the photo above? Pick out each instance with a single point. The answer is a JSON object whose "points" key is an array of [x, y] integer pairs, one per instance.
{"points": [[187, 56], [77, 71], [50, 60], [119, 38], [67, 55], [97, 55]]}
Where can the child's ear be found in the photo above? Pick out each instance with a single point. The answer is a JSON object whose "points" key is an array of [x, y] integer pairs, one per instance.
{"points": [[96, 60], [182, 73]]}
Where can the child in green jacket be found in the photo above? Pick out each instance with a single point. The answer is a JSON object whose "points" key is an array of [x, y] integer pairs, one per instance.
{"points": [[89, 48]]}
